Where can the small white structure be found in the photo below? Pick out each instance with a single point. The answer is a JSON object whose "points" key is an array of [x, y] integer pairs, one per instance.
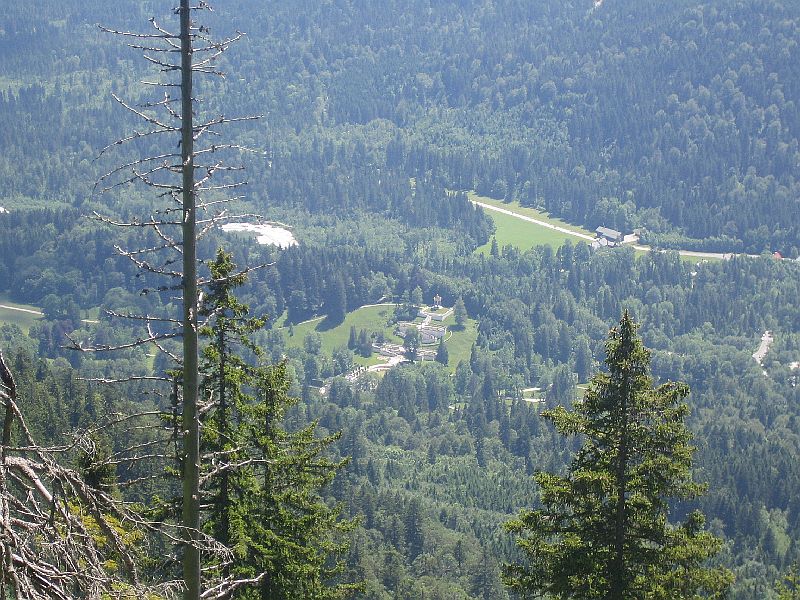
{"points": [[389, 350], [428, 334], [435, 311], [439, 315], [630, 238]]}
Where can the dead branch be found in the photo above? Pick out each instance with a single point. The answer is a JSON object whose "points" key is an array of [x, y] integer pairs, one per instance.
{"points": [[76, 345]]}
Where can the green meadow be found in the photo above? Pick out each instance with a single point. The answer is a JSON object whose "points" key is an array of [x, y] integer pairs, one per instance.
{"points": [[375, 319], [22, 319], [511, 230]]}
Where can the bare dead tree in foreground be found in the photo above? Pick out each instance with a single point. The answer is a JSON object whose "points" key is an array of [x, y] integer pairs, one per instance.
{"points": [[194, 203], [62, 537], [58, 533]]}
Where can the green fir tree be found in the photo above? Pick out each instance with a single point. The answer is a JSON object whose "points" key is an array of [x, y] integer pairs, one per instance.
{"points": [[603, 529], [262, 481], [789, 587], [441, 353]]}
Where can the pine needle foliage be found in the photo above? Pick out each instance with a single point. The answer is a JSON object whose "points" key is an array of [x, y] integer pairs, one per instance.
{"points": [[789, 587], [603, 530], [261, 481]]}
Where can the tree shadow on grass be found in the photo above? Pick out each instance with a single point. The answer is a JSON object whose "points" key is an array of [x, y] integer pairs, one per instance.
{"points": [[327, 324]]}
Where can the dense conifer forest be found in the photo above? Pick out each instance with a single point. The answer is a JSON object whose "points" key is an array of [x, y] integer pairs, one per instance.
{"points": [[679, 120]]}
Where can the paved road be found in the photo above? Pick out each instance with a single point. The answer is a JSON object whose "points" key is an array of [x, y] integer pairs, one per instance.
{"points": [[693, 253]]}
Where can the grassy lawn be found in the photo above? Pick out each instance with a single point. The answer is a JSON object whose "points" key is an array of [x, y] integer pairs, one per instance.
{"points": [[22, 319], [376, 319], [698, 261], [528, 212], [524, 234], [459, 343], [371, 318]]}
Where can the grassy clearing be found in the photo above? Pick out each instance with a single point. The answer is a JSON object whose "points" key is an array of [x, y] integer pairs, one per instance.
{"points": [[699, 261], [371, 318], [459, 344], [376, 319], [22, 203], [524, 234], [22, 319]]}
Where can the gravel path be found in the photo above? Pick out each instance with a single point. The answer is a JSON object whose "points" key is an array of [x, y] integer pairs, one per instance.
{"points": [[38, 313], [25, 310], [763, 348]]}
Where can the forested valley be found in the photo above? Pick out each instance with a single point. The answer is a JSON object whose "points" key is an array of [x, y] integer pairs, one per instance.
{"points": [[379, 122]]}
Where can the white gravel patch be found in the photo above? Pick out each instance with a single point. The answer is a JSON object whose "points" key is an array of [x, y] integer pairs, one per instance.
{"points": [[763, 348], [266, 235]]}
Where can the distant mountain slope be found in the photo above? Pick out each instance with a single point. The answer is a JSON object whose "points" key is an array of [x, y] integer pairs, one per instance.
{"points": [[680, 117]]}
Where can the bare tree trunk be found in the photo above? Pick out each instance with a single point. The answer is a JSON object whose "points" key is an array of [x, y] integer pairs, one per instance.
{"points": [[191, 429], [160, 172], [8, 583]]}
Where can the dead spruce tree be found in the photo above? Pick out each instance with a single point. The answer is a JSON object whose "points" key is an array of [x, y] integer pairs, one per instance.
{"points": [[193, 203]]}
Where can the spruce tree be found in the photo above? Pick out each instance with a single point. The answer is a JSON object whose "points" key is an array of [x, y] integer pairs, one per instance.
{"points": [[298, 538], [460, 313], [262, 481], [441, 353], [336, 301], [603, 529], [225, 375], [411, 342], [789, 587], [352, 340]]}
